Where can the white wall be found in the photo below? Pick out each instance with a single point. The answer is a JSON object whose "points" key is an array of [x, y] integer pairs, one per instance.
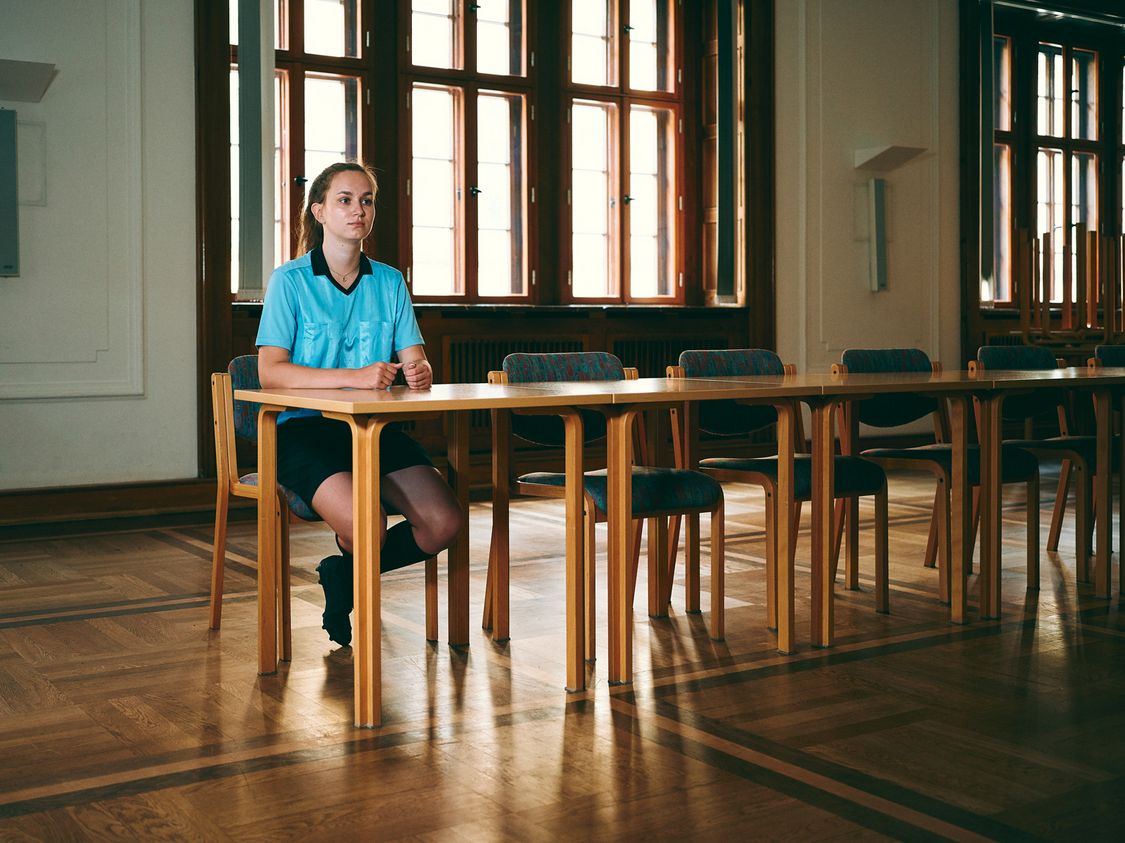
{"points": [[853, 74], [97, 335]]}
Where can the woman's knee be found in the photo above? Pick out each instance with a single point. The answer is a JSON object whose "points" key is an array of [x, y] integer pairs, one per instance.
{"points": [[441, 525]]}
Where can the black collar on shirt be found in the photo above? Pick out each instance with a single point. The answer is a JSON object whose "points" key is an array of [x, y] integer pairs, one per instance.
{"points": [[320, 267]]}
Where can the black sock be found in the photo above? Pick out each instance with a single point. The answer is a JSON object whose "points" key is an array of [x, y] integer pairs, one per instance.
{"points": [[400, 549]]}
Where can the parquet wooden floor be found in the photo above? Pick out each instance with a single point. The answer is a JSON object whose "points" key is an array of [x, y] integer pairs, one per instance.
{"points": [[123, 717]]}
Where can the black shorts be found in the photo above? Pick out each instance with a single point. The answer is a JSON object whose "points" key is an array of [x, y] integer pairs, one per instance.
{"points": [[310, 449]]}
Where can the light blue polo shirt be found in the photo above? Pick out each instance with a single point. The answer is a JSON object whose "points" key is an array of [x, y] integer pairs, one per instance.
{"points": [[322, 325]]}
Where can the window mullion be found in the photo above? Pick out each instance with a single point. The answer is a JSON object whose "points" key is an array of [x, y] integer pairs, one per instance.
{"points": [[468, 233]]}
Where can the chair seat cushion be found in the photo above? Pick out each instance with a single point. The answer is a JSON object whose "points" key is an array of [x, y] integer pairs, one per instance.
{"points": [[654, 489], [1019, 466], [851, 475], [1085, 446], [296, 505]]}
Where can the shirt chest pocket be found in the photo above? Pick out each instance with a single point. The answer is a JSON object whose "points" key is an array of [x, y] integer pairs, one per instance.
{"points": [[369, 343]]}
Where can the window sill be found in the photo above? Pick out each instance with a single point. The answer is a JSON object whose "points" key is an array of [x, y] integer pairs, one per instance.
{"points": [[575, 311]]}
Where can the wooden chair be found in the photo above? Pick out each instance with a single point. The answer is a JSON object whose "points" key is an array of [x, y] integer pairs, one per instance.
{"points": [[895, 410], [240, 418], [656, 492], [1078, 454], [853, 477]]}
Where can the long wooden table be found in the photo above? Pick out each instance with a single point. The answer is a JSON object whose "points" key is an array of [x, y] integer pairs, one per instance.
{"points": [[368, 412]]}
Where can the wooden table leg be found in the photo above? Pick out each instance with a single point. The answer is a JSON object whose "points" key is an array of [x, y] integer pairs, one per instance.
{"points": [[458, 554], [367, 643], [783, 525], [575, 555], [960, 510], [1103, 493], [268, 551], [496, 612], [991, 530], [823, 459], [619, 425]]}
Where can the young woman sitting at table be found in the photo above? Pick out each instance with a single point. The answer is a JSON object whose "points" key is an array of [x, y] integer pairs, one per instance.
{"points": [[332, 319]]}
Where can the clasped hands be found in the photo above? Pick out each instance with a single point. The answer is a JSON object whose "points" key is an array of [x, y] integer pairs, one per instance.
{"points": [[381, 375]]}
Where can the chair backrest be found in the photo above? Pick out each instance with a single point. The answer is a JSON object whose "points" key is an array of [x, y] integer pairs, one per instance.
{"points": [[890, 410], [558, 367], [1024, 358], [1016, 357], [244, 375], [563, 366], [729, 418], [1110, 355]]}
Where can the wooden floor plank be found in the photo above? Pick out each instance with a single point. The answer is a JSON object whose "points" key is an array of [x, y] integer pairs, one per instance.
{"points": [[122, 715]]}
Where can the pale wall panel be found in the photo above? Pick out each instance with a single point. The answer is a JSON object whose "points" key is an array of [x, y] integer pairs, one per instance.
{"points": [[852, 75], [97, 338]]}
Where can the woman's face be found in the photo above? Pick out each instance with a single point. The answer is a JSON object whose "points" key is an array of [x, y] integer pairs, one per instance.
{"points": [[348, 210]]}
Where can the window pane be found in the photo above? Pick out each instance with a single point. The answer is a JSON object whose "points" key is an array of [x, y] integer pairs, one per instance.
{"points": [[591, 43], [434, 193], [1049, 207], [1083, 204], [1001, 288], [1084, 95], [500, 37], [592, 198], [651, 207], [331, 121], [1050, 90], [280, 42], [1002, 83], [650, 45], [433, 37], [433, 265], [280, 173], [332, 27], [501, 202]]}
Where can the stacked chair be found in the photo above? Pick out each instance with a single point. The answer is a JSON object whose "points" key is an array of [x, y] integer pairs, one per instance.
{"points": [[854, 477], [891, 411]]}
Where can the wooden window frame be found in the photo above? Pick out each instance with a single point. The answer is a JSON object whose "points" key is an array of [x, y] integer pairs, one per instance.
{"points": [[1026, 32], [470, 84], [624, 98]]}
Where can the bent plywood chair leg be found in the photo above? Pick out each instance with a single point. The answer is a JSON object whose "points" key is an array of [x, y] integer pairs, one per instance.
{"points": [[1083, 483], [882, 573], [1059, 511], [945, 542], [590, 582], [975, 528], [283, 573], [486, 613], [657, 569], [218, 557], [718, 574], [841, 515], [1033, 532], [933, 539], [771, 560], [431, 599], [851, 564]]}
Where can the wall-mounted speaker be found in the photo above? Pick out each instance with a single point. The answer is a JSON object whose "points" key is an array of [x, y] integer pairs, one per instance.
{"points": [[877, 234], [9, 196]]}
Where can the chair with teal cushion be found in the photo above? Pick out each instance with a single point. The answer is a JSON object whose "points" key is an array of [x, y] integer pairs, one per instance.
{"points": [[240, 418], [890, 411], [853, 477], [657, 492], [1078, 454]]}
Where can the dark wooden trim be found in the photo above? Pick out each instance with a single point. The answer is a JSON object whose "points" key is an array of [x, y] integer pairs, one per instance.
{"points": [[969, 119], [760, 157], [212, 213], [79, 503]]}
